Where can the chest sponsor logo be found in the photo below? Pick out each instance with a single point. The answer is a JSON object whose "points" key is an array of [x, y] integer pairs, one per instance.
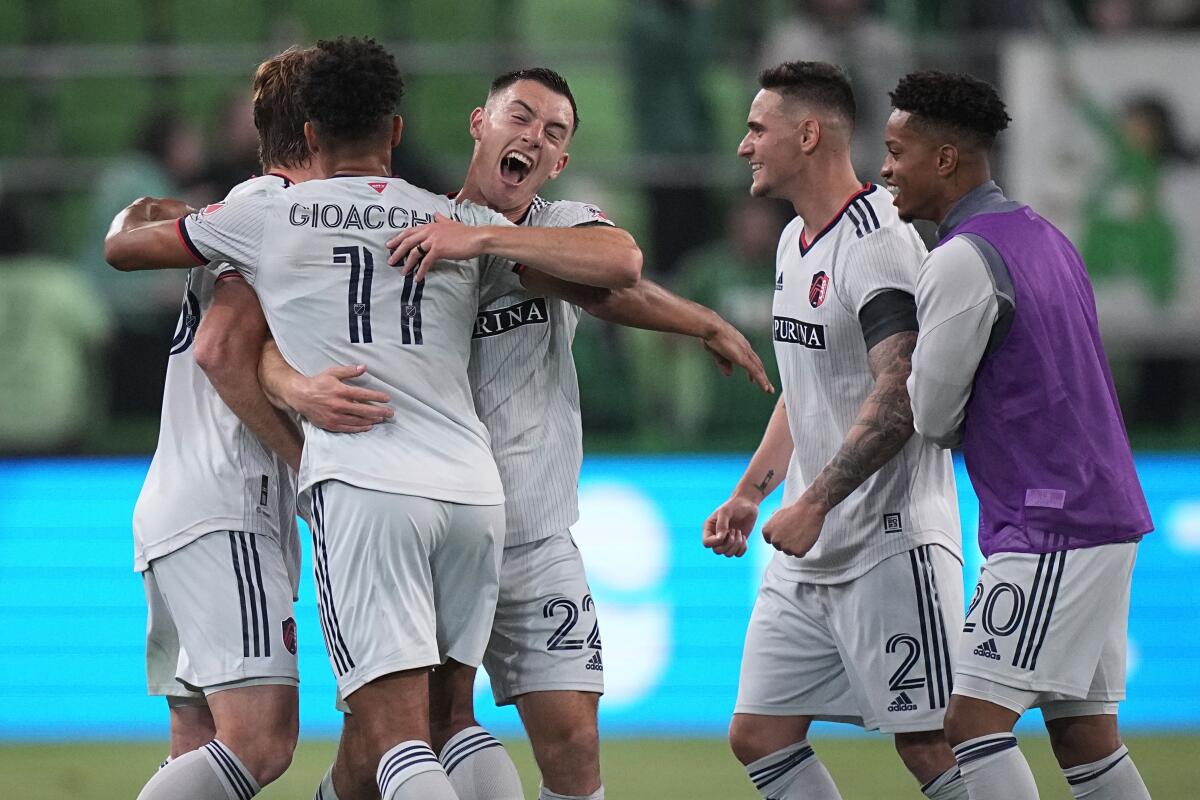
{"points": [[796, 332], [818, 289], [502, 320]]}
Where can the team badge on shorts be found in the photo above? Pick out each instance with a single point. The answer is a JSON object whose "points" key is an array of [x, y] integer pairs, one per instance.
{"points": [[289, 635], [817, 289]]}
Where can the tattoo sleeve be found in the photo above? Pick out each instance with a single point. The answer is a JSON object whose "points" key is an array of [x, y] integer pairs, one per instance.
{"points": [[883, 425]]}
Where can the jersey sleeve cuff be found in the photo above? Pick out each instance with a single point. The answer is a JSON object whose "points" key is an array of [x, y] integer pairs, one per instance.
{"points": [[181, 230]]}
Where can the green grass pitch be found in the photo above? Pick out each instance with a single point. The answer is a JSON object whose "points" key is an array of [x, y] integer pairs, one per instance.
{"points": [[634, 769]]}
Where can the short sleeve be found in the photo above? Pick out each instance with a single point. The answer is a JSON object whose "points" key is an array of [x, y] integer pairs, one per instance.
{"points": [[884, 260], [570, 214], [230, 231]]}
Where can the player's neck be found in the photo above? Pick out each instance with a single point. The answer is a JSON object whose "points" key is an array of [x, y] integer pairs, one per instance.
{"points": [[824, 193], [294, 174], [352, 164], [963, 184], [472, 193]]}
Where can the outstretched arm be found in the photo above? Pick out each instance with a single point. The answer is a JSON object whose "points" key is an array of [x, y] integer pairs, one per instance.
{"points": [[727, 529], [883, 425], [145, 235], [648, 305], [595, 255], [228, 344]]}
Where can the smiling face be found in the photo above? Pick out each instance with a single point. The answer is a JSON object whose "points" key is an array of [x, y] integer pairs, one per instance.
{"points": [[521, 137], [772, 145], [911, 168]]}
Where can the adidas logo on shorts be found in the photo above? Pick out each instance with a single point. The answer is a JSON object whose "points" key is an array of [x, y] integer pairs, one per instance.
{"points": [[595, 663], [902, 703], [988, 650]]}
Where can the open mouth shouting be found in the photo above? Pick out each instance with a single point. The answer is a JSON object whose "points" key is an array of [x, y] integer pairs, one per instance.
{"points": [[515, 167]]}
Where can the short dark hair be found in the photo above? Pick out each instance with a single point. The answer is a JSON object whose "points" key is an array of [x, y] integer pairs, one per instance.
{"points": [[546, 77], [350, 87], [278, 115], [959, 103], [815, 82]]}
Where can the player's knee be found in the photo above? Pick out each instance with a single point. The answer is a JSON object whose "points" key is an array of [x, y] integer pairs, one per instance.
{"points": [[1083, 740], [265, 753], [956, 726], [274, 758], [923, 752], [746, 740]]}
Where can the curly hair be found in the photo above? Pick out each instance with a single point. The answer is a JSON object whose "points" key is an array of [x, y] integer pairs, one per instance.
{"points": [[278, 115], [957, 102], [543, 75], [350, 88], [816, 82]]}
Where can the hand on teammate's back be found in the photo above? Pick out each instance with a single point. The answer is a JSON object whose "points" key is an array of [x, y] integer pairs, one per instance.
{"points": [[328, 401], [421, 246]]}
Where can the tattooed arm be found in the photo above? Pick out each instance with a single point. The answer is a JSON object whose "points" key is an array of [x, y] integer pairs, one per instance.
{"points": [[726, 530], [883, 425]]}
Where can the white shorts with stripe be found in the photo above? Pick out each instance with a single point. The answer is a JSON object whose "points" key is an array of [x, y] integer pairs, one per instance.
{"points": [[402, 582], [875, 651], [1049, 629], [546, 636], [219, 616]]}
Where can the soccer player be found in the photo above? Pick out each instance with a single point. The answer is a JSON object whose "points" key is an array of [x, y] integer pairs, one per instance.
{"points": [[407, 517], [214, 526], [526, 392], [858, 613], [1010, 366]]}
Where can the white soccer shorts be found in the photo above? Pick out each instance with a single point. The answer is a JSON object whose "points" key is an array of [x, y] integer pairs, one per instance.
{"points": [[1049, 631], [402, 582], [546, 636], [219, 617], [875, 651]]}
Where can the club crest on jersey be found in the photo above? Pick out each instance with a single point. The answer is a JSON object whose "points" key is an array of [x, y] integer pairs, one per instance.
{"points": [[817, 289], [289, 635], [795, 331]]}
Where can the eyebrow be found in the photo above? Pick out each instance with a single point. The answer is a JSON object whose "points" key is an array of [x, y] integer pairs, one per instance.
{"points": [[550, 124]]}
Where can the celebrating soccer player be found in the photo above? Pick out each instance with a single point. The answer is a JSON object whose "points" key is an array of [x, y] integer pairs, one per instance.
{"points": [[858, 613], [1010, 366], [527, 394]]}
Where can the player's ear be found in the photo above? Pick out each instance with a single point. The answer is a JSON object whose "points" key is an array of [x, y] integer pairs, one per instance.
{"points": [[809, 132], [560, 165], [310, 136], [947, 160], [476, 125], [397, 130]]}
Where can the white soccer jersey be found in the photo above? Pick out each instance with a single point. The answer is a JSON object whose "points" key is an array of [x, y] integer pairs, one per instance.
{"points": [[316, 255], [209, 472], [820, 288], [527, 392]]}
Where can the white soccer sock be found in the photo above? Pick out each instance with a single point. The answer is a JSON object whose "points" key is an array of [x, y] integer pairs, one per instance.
{"points": [[211, 773], [410, 771], [546, 794], [947, 786], [792, 773], [994, 769], [1114, 777], [325, 790], [479, 767]]}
